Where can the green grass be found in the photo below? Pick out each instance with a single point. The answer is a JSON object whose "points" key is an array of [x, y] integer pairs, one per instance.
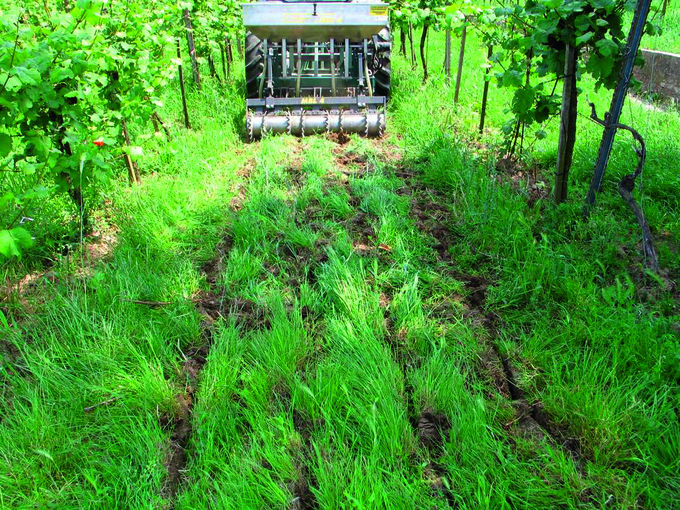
{"points": [[370, 295], [669, 38]]}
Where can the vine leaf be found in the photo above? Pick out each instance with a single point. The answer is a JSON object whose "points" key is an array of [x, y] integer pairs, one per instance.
{"points": [[582, 39], [5, 144], [28, 76], [12, 242]]}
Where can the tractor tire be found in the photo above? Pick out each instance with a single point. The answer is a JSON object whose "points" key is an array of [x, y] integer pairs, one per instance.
{"points": [[382, 70], [254, 57]]}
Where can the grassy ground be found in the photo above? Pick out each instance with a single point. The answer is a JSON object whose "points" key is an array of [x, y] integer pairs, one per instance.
{"points": [[328, 322], [669, 39]]}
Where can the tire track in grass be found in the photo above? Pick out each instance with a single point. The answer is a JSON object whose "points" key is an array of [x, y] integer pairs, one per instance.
{"points": [[429, 427], [266, 314], [210, 305], [531, 420]]}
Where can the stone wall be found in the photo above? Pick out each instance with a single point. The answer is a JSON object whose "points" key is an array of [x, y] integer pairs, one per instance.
{"points": [[660, 74]]}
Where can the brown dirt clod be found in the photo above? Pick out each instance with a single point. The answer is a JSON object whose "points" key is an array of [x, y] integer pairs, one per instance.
{"points": [[340, 138]]}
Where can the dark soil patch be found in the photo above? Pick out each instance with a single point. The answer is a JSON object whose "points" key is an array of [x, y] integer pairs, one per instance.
{"points": [[209, 305], [360, 228], [476, 286], [302, 262], [294, 168], [433, 219], [523, 179], [510, 377], [340, 138], [560, 434], [239, 188], [523, 424], [214, 268], [303, 497], [347, 162], [435, 474], [432, 429], [491, 368], [176, 458], [248, 314]]}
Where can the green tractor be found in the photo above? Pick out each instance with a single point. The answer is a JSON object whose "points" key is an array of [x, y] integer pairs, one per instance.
{"points": [[316, 67]]}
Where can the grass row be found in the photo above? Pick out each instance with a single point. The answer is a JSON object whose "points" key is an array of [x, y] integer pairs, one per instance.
{"points": [[82, 340], [594, 340]]}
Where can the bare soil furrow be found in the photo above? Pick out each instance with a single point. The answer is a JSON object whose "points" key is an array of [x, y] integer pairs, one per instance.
{"points": [[210, 304]]}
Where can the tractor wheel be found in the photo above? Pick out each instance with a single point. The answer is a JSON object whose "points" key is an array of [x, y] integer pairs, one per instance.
{"points": [[254, 56], [382, 65]]}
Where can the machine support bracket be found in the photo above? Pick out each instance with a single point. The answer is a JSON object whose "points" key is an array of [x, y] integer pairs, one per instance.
{"points": [[299, 67], [262, 78], [270, 77], [333, 91]]}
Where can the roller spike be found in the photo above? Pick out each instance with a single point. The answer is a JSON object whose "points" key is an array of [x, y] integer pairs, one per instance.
{"points": [[249, 125]]}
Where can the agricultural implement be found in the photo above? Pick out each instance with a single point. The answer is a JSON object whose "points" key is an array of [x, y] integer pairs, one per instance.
{"points": [[316, 67]]}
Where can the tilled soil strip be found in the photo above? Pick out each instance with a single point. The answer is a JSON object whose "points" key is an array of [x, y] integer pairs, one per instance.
{"points": [[210, 304], [531, 419], [429, 426]]}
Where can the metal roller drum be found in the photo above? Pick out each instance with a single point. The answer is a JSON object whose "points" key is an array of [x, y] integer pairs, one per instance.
{"points": [[370, 123]]}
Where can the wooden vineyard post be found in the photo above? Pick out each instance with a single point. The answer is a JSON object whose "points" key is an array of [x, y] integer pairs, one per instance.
{"points": [[228, 48], [192, 48], [459, 74], [423, 56], [133, 169], [565, 149], [402, 35], [213, 70], [157, 121], [224, 61], [187, 124], [412, 49], [485, 94], [447, 56]]}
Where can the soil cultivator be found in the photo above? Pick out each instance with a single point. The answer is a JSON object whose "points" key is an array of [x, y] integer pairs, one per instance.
{"points": [[315, 67]]}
